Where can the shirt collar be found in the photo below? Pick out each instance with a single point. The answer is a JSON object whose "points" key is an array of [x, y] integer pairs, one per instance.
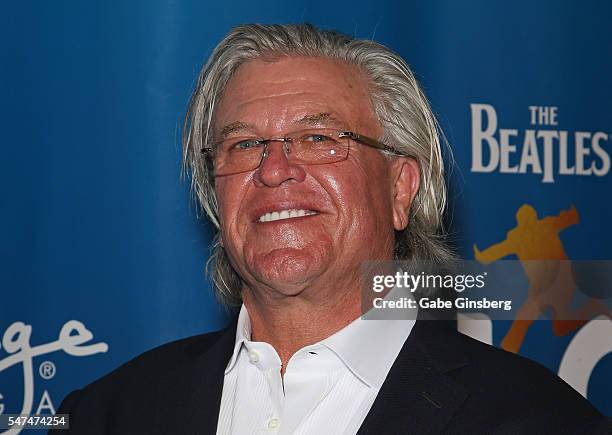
{"points": [[243, 333], [368, 348]]}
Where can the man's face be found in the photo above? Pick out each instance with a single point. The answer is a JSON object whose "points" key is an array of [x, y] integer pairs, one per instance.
{"points": [[352, 199]]}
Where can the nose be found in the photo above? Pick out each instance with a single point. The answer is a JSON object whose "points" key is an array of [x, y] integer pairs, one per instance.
{"points": [[275, 168]]}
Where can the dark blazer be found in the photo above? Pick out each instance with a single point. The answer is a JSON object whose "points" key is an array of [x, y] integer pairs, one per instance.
{"points": [[441, 382]]}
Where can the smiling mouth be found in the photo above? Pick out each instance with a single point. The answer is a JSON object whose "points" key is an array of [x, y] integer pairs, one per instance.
{"points": [[285, 214]]}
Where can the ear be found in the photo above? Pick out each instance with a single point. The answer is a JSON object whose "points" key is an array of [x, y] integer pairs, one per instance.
{"points": [[406, 179]]}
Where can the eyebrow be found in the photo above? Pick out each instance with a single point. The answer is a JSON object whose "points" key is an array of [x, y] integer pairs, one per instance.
{"points": [[323, 118], [235, 127]]}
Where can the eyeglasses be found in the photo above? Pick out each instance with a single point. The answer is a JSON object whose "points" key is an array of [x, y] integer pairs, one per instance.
{"points": [[318, 146]]}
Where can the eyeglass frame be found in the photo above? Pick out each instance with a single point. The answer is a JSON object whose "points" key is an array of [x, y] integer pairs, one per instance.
{"points": [[357, 137]]}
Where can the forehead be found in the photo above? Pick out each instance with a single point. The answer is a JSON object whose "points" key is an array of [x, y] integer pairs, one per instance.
{"points": [[274, 94]]}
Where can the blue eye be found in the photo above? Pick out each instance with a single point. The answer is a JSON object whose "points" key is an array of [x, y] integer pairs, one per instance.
{"points": [[317, 138], [245, 144]]}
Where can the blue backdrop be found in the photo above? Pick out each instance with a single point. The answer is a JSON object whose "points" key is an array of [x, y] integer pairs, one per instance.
{"points": [[96, 225]]}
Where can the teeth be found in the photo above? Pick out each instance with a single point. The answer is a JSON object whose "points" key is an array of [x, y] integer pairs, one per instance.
{"points": [[285, 214]]}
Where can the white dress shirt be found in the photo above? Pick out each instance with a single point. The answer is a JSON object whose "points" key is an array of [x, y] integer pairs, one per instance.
{"points": [[328, 387]]}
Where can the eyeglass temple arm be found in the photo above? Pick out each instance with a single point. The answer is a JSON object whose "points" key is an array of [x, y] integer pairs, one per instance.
{"points": [[369, 141]]}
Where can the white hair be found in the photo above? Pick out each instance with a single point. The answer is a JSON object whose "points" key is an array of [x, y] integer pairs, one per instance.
{"points": [[401, 107]]}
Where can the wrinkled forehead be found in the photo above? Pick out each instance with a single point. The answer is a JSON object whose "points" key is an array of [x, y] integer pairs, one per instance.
{"points": [[273, 95]]}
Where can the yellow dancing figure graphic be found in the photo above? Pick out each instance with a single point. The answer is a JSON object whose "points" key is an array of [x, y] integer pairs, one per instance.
{"points": [[537, 245]]}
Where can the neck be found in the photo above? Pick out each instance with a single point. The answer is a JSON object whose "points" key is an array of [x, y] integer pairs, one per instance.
{"points": [[292, 322]]}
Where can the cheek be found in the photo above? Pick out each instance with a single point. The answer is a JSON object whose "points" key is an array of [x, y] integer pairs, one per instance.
{"points": [[363, 198]]}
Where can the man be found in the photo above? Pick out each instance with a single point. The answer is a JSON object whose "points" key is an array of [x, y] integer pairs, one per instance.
{"points": [[313, 153]]}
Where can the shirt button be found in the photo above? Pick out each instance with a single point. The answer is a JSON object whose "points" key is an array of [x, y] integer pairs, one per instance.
{"points": [[253, 356], [273, 423]]}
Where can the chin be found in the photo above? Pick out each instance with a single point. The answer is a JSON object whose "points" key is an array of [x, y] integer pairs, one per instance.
{"points": [[286, 269]]}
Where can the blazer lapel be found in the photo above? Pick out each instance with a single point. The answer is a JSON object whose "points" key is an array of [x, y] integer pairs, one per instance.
{"points": [[189, 397], [417, 397]]}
